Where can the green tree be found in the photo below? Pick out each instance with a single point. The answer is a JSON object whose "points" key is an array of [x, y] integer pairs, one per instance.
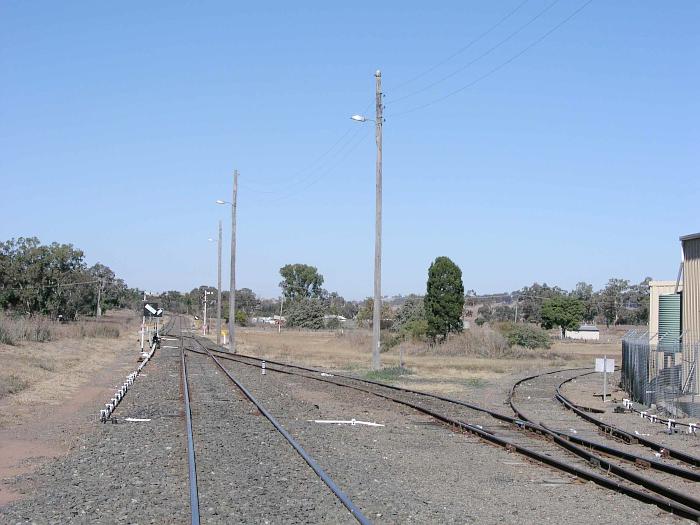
{"points": [[305, 313], [612, 300], [584, 293], [366, 310], [413, 309], [444, 299], [531, 297], [300, 281], [564, 312], [246, 300]]}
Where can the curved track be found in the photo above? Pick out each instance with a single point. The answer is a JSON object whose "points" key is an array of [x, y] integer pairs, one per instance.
{"points": [[538, 442]]}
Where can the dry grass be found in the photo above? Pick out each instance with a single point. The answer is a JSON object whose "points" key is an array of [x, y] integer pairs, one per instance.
{"points": [[460, 361], [40, 329], [34, 373]]}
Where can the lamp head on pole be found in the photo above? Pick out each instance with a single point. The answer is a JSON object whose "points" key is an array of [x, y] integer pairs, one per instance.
{"points": [[219, 201], [359, 118]]}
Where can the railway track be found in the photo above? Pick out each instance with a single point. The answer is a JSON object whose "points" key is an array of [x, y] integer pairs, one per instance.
{"points": [[185, 344], [580, 457]]}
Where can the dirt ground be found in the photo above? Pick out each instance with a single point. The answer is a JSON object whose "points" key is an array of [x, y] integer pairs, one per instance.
{"points": [[438, 373], [64, 384]]}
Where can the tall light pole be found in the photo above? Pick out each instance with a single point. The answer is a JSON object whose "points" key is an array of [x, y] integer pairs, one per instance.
{"points": [[377, 313], [232, 293]]}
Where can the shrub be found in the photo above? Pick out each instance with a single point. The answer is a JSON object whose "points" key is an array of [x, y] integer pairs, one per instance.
{"points": [[6, 336], [477, 341], [525, 335], [12, 384], [241, 317], [332, 323], [388, 374]]}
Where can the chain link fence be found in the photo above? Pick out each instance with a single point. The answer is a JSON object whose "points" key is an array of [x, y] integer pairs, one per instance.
{"points": [[661, 371]]}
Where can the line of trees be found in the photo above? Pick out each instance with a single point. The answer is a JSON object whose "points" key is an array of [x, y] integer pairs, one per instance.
{"points": [[618, 302], [54, 280]]}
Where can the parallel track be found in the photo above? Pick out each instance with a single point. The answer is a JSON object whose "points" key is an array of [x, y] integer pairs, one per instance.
{"points": [[616, 432], [337, 491], [511, 437], [191, 461]]}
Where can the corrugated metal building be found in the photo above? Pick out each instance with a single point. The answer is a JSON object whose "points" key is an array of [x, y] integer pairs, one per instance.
{"points": [[691, 301]]}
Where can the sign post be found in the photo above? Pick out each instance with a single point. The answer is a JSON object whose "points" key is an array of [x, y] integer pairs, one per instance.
{"points": [[605, 365]]}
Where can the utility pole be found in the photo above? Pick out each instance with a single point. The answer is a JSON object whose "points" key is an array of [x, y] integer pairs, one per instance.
{"points": [[143, 322], [377, 314], [279, 321], [232, 294], [218, 291], [98, 312], [204, 325]]}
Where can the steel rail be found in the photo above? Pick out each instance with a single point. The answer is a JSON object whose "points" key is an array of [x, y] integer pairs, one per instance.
{"points": [[658, 495], [192, 465], [517, 421], [623, 434], [633, 477], [337, 491]]}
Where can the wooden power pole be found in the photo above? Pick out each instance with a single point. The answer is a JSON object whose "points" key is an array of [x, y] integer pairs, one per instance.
{"points": [[377, 314], [232, 293], [218, 290]]}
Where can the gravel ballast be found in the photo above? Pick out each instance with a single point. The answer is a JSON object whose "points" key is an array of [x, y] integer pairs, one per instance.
{"points": [[129, 472], [412, 471]]}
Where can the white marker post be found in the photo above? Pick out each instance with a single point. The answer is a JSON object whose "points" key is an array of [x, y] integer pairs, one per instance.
{"points": [[605, 365]]}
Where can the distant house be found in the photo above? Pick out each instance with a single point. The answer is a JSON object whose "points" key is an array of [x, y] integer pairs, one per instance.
{"points": [[585, 332], [338, 317]]}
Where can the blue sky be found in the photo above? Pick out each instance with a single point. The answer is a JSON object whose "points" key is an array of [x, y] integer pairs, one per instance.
{"points": [[121, 123]]}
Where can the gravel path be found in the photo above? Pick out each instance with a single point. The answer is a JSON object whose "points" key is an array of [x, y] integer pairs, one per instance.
{"points": [[412, 471], [122, 473]]}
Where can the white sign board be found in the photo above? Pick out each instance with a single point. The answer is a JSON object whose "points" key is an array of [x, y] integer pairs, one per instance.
{"points": [[604, 365]]}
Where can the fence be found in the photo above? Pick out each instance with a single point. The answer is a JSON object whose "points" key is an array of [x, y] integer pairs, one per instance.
{"points": [[662, 372]]}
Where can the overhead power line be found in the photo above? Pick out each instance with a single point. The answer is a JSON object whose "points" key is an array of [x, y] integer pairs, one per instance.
{"points": [[498, 67], [299, 189], [464, 48], [41, 286], [479, 57]]}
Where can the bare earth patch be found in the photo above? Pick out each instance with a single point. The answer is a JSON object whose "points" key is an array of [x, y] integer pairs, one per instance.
{"points": [[64, 384]]}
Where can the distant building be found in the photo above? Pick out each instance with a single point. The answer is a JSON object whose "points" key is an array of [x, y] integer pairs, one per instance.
{"points": [[338, 317], [585, 332]]}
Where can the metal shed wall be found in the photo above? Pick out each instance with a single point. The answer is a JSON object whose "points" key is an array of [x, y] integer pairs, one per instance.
{"points": [[691, 298]]}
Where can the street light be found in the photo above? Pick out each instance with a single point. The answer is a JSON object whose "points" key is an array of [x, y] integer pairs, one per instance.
{"points": [[377, 317], [232, 293], [359, 118]]}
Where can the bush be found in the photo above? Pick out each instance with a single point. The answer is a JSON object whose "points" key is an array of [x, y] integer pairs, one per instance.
{"points": [[525, 335], [6, 337], [12, 384], [241, 317], [477, 341], [388, 374], [332, 323]]}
